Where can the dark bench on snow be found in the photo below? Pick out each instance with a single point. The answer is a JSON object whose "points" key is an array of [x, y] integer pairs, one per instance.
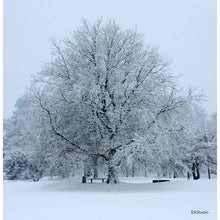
{"points": [[91, 179], [98, 178], [159, 181]]}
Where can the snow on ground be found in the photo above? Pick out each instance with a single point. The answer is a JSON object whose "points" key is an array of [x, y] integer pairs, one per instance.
{"points": [[133, 198]]}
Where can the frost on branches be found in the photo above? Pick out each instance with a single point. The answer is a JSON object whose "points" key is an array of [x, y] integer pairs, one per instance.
{"points": [[106, 103]]}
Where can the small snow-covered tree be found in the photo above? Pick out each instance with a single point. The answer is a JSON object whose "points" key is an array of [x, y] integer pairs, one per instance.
{"points": [[199, 143]]}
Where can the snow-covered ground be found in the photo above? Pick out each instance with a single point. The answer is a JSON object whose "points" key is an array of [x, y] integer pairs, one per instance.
{"points": [[132, 198]]}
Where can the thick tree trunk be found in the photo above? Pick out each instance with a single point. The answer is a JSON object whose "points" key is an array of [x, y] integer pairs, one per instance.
{"points": [[195, 171], [112, 174], [198, 173]]}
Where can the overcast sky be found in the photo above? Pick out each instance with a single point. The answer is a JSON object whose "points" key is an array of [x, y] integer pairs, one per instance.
{"points": [[185, 30]]}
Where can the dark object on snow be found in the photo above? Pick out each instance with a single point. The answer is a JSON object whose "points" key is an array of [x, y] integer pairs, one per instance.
{"points": [[84, 179], [159, 181], [101, 178]]}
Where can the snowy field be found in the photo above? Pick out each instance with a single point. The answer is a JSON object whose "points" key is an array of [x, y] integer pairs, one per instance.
{"points": [[132, 198]]}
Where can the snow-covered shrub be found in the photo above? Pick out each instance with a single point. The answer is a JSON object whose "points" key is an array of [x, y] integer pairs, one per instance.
{"points": [[17, 166]]}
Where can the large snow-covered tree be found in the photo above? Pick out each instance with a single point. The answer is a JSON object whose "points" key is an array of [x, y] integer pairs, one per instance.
{"points": [[104, 89], [106, 99]]}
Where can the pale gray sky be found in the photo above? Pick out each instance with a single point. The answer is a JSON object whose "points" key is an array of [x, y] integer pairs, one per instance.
{"points": [[185, 30]]}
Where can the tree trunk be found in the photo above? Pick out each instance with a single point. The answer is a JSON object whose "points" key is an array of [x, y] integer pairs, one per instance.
{"points": [[95, 172], [127, 171], [145, 173], [112, 174], [87, 171], [198, 173], [132, 170], [95, 167], [145, 169], [209, 174], [195, 171], [164, 171], [158, 173], [188, 176]]}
